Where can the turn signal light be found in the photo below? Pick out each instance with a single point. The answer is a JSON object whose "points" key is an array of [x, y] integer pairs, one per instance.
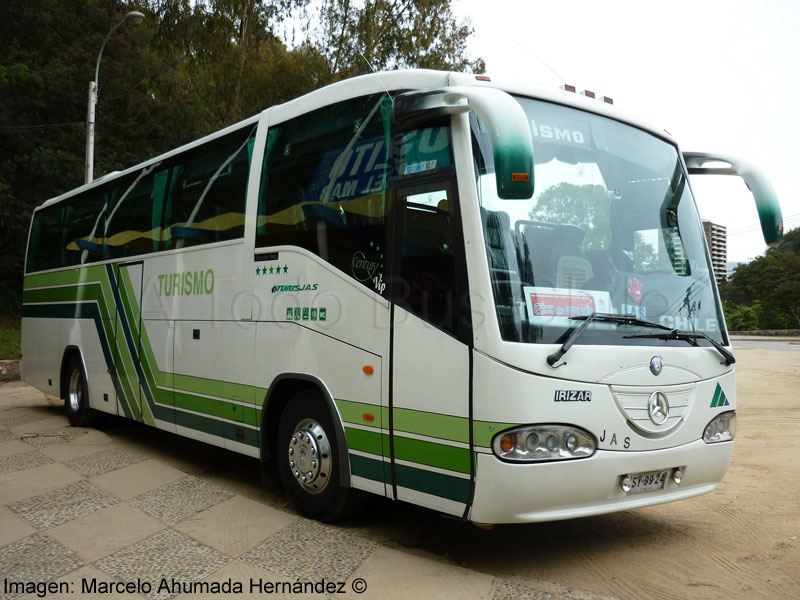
{"points": [[368, 370]]}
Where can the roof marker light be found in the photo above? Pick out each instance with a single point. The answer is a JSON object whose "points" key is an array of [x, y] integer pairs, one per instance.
{"points": [[608, 100], [483, 78], [588, 94], [568, 88]]}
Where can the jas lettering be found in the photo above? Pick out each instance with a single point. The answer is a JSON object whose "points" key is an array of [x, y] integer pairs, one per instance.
{"points": [[626, 442]]}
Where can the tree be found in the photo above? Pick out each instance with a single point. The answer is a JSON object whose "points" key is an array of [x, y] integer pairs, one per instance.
{"points": [[772, 284], [586, 206], [191, 68], [391, 34]]}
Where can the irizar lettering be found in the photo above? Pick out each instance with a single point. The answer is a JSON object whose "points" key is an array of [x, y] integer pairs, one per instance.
{"points": [[573, 396]]}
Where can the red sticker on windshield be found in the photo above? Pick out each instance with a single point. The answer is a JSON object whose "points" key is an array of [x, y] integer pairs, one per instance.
{"points": [[635, 289]]}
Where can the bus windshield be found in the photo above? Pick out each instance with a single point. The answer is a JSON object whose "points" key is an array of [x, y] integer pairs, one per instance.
{"points": [[611, 228]]}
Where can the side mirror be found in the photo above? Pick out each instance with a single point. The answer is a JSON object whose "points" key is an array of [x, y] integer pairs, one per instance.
{"points": [[505, 120], [769, 209]]}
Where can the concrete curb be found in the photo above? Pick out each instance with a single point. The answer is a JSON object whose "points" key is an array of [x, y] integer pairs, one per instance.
{"points": [[9, 370]]}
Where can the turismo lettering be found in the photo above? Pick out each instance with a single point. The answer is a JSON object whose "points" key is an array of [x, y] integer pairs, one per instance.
{"points": [[549, 132], [189, 283]]}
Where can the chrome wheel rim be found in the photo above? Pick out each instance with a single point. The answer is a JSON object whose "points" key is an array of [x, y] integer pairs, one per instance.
{"points": [[309, 456], [75, 390]]}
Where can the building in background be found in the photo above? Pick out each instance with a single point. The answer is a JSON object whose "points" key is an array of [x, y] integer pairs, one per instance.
{"points": [[717, 240]]}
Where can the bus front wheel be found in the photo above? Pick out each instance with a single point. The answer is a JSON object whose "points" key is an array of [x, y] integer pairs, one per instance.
{"points": [[76, 395], [307, 454]]}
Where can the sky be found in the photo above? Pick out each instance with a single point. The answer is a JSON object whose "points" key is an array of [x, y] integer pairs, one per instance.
{"points": [[719, 76]]}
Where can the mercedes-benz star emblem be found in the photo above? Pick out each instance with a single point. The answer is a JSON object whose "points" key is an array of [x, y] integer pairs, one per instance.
{"points": [[658, 408], [656, 365]]}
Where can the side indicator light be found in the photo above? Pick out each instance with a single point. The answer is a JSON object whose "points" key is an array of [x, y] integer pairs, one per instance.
{"points": [[368, 370], [521, 177], [368, 417]]}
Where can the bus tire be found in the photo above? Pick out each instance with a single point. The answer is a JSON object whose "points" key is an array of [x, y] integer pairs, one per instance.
{"points": [[76, 395], [306, 451]]}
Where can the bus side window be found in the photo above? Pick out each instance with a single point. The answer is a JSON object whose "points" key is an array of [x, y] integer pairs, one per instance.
{"points": [[323, 187], [207, 191], [129, 223], [428, 269]]}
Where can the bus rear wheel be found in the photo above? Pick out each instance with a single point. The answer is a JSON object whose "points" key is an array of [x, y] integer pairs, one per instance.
{"points": [[76, 395], [307, 454]]}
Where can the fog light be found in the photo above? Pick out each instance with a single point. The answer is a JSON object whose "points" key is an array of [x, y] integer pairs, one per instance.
{"points": [[722, 428], [677, 476], [626, 484]]}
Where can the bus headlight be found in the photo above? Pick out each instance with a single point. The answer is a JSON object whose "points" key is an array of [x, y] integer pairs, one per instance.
{"points": [[535, 443], [722, 428]]}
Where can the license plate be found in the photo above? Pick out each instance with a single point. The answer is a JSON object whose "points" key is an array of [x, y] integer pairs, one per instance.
{"points": [[647, 482]]}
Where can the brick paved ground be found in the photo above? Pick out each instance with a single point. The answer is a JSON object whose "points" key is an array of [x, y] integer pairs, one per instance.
{"points": [[125, 503]]}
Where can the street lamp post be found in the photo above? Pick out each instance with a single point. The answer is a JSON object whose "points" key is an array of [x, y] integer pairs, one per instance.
{"points": [[132, 18]]}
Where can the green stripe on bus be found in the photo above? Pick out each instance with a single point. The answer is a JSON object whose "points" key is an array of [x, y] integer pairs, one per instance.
{"points": [[212, 407], [365, 441], [76, 275], [217, 428], [445, 427], [431, 454], [411, 450], [370, 468], [436, 484], [214, 387]]}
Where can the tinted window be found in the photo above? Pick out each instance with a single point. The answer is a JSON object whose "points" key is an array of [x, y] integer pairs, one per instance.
{"points": [[323, 186], [208, 190], [428, 265], [133, 225], [68, 233]]}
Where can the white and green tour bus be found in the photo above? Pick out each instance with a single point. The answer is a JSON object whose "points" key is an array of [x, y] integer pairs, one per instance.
{"points": [[493, 300]]}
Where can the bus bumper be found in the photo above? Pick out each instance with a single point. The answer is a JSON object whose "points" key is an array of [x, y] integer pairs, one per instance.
{"points": [[526, 493]]}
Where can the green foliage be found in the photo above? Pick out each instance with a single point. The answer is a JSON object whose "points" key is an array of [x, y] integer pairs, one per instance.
{"points": [[9, 338], [191, 68], [586, 206], [390, 35], [765, 294]]}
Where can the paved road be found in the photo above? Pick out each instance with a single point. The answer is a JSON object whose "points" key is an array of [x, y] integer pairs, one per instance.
{"points": [[777, 344], [84, 508], [81, 505]]}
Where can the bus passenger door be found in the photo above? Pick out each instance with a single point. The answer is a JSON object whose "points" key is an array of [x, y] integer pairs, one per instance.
{"points": [[430, 359]]}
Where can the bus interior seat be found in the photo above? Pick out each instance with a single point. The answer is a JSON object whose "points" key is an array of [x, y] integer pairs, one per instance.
{"points": [[538, 240], [572, 269], [500, 244]]}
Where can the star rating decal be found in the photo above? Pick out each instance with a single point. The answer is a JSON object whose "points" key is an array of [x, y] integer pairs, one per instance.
{"points": [[272, 270]]}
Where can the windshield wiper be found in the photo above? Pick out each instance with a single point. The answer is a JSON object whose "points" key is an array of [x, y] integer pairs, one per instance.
{"points": [[691, 337], [553, 358]]}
